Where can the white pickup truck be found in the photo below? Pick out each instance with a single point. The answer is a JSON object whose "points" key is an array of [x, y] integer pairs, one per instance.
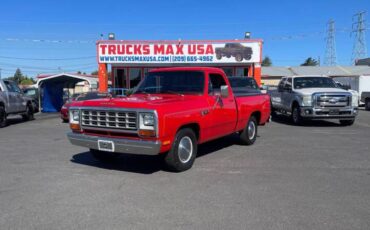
{"points": [[314, 97], [13, 102]]}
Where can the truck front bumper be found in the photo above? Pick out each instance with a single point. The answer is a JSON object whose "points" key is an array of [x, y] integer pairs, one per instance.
{"points": [[140, 147], [328, 113]]}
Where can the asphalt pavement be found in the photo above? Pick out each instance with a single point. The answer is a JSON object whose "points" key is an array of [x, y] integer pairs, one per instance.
{"points": [[311, 177]]}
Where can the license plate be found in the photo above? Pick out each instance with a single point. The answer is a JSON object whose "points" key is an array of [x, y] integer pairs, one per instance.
{"points": [[104, 145], [334, 112]]}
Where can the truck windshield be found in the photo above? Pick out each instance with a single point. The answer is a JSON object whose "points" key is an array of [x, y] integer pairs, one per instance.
{"points": [[313, 82], [173, 82]]}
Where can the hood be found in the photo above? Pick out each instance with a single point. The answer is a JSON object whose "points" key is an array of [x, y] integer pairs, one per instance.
{"points": [[137, 101], [310, 91]]}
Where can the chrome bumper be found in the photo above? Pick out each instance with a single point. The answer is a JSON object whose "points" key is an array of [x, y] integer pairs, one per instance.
{"points": [[328, 113], [139, 147]]}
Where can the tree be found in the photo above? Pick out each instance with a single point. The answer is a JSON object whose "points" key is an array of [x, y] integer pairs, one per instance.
{"points": [[266, 61], [310, 62], [95, 72], [27, 81], [18, 76]]}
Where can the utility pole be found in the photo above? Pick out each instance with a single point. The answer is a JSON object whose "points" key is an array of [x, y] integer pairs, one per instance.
{"points": [[358, 28], [330, 52]]}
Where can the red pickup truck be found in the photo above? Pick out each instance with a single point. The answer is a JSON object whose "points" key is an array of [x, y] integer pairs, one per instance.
{"points": [[171, 111]]}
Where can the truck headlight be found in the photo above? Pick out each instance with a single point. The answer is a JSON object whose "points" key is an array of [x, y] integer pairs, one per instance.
{"points": [[74, 120], [74, 116], [147, 124], [354, 100], [307, 100]]}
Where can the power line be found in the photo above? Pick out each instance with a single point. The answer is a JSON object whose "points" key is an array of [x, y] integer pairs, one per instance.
{"points": [[330, 52], [359, 28]]}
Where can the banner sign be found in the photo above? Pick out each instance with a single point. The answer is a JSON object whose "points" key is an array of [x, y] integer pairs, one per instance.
{"points": [[233, 52]]}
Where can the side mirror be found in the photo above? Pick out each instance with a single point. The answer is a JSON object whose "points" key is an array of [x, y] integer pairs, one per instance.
{"points": [[224, 91]]}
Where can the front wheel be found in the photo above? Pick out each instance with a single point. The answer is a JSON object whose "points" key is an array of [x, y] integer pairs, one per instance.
{"points": [[249, 134], [2, 117], [347, 122], [238, 57], [29, 113], [183, 151], [296, 115]]}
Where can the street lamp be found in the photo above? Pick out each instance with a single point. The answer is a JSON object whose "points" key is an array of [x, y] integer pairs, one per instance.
{"points": [[247, 35], [111, 36]]}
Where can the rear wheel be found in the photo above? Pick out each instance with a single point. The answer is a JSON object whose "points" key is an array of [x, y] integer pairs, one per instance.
{"points": [[347, 122], [2, 117], [218, 56], [367, 104], [29, 113], [183, 151], [249, 134], [296, 115], [103, 156]]}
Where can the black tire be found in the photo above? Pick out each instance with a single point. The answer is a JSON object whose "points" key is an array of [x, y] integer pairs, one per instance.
{"points": [[103, 156], [29, 113], [65, 120], [367, 104], [296, 115], [183, 151], [249, 134], [3, 120], [228, 55], [218, 56], [347, 122], [238, 57]]}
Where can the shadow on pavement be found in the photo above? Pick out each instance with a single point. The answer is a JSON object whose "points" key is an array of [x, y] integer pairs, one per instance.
{"points": [[148, 164], [286, 120]]}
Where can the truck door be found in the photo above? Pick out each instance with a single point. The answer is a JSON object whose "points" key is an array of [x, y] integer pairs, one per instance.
{"points": [[286, 95], [276, 97], [223, 112], [21, 102], [11, 96]]}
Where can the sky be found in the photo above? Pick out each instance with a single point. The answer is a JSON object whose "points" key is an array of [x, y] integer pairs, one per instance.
{"points": [[52, 36]]}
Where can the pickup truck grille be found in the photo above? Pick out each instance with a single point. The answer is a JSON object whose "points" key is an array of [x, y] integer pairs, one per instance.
{"points": [[333, 100], [122, 120]]}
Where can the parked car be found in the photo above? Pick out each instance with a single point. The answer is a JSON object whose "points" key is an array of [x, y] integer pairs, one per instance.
{"points": [[314, 97], [365, 97], [170, 113], [236, 50], [33, 93], [64, 114], [13, 102]]}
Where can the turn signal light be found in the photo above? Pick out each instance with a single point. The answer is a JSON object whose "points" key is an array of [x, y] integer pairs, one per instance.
{"points": [[75, 127], [146, 133]]}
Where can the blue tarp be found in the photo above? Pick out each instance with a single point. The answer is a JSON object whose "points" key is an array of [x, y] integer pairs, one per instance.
{"points": [[52, 97]]}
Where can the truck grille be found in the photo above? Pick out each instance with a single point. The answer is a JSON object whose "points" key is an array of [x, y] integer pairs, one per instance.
{"points": [[122, 120], [332, 100]]}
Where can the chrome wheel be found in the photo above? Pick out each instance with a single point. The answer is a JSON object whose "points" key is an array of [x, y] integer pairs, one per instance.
{"points": [[185, 149], [251, 130]]}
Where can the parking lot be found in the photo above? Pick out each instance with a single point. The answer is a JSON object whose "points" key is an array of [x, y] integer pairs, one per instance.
{"points": [[311, 177]]}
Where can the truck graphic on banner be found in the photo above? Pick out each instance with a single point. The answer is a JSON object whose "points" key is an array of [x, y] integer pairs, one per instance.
{"points": [[236, 50]]}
